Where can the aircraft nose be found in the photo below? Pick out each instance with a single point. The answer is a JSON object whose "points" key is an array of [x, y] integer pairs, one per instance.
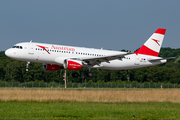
{"points": [[8, 53]]}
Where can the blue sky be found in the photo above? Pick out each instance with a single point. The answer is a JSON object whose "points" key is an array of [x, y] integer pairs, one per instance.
{"points": [[111, 24]]}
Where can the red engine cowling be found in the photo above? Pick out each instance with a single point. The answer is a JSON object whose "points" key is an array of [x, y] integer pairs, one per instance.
{"points": [[51, 67], [72, 64]]}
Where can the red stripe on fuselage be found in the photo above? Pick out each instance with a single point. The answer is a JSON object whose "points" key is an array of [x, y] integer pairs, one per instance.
{"points": [[146, 51], [43, 48]]}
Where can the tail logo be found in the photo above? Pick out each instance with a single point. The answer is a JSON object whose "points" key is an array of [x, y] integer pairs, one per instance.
{"points": [[157, 41]]}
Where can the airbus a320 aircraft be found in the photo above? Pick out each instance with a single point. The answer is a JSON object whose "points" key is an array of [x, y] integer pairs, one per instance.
{"points": [[55, 57]]}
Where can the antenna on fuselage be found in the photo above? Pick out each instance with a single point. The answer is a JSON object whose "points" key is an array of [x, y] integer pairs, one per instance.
{"points": [[31, 41], [102, 48]]}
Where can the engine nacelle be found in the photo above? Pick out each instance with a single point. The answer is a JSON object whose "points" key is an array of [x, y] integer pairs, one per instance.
{"points": [[72, 64], [51, 67]]}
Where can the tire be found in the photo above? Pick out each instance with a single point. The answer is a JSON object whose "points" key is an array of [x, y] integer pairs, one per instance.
{"points": [[89, 74], [75, 75]]}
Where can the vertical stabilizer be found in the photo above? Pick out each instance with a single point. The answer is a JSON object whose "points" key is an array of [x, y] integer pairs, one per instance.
{"points": [[152, 46]]}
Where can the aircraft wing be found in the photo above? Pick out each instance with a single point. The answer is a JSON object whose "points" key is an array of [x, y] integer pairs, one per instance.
{"points": [[96, 60]]}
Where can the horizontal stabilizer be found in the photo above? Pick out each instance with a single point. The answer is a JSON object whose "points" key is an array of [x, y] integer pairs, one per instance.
{"points": [[159, 58]]}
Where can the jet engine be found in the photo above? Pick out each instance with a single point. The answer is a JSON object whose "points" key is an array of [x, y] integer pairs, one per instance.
{"points": [[51, 67], [72, 64]]}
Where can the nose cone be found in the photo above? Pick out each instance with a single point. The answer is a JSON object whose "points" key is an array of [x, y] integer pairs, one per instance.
{"points": [[13, 53], [7, 53]]}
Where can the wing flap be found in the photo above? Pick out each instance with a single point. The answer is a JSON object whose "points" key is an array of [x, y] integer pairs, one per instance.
{"points": [[108, 57], [96, 60]]}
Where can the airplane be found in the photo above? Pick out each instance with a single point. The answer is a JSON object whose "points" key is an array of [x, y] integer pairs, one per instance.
{"points": [[55, 57]]}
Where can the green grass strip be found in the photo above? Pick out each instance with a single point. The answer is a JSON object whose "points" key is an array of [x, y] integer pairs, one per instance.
{"points": [[76, 111]]}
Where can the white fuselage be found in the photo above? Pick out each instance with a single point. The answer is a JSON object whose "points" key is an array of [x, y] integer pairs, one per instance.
{"points": [[34, 52]]}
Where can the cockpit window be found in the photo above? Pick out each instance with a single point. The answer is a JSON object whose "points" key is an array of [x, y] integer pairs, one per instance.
{"points": [[19, 47]]}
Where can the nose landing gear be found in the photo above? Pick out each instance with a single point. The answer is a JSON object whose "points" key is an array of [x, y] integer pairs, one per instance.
{"points": [[27, 65]]}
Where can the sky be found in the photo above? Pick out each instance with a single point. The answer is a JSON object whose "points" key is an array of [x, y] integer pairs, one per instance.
{"points": [[111, 24]]}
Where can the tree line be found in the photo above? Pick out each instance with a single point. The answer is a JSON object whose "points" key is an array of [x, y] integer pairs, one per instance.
{"points": [[13, 70]]}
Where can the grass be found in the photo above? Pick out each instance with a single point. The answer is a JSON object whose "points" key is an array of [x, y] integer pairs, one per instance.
{"points": [[102, 96], [90, 104], [76, 110]]}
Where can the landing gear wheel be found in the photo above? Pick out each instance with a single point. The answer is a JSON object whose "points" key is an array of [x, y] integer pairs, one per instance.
{"points": [[75, 74], [26, 69], [27, 65], [89, 74]]}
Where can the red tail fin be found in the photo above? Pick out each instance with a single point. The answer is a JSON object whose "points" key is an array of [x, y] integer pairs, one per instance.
{"points": [[153, 44]]}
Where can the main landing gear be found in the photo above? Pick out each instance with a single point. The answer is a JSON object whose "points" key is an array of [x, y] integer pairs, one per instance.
{"points": [[89, 74], [76, 75]]}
